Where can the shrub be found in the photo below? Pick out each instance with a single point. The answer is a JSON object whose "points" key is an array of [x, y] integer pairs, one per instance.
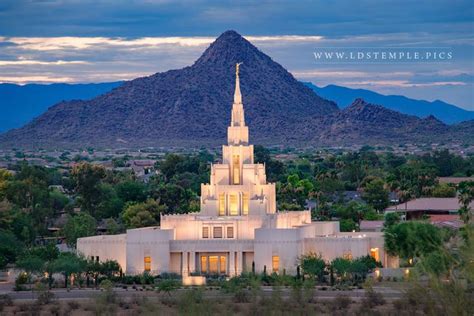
{"points": [[73, 305], [55, 310], [168, 286], [342, 301], [372, 298], [20, 282], [241, 296], [44, 295]]}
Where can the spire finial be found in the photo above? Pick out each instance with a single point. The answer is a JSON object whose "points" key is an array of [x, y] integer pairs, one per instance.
{"points": [[237, 67], [237, 94]]}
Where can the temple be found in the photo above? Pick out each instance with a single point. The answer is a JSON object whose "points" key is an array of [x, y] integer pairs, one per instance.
{"points": [[238, 227]]}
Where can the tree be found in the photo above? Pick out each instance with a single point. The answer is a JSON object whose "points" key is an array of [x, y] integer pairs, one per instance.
{"points": [[341, 267], [68, 263], [38, 260], [443, 190], [375, 193], [313, 265], [5, 176], [10, 248], [109, 268], [77, 226], [110, 204], [87, 179], [142, 214], [466, 196], [131, 191], [347, 225], [391, 219], [412, 239]]}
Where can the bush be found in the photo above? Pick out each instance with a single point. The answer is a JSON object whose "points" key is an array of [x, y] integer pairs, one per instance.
{"points": [[73, 305], [20, 282], [168, 286], [44, 295], [55, 310], [5, 300], [342, 302], [241, 296], [372, 298]]}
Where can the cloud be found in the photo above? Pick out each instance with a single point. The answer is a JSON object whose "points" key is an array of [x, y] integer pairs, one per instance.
{"points": [[39, 62]]}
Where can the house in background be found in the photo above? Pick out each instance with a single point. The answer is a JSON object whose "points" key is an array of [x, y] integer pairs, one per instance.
{"points": [[418, 208]]}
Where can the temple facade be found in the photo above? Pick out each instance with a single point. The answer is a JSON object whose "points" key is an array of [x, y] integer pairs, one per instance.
{"points": [[238, 227]]}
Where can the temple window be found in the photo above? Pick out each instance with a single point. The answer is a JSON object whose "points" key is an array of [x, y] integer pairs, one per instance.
{"points": [[213, 262], [347, 255], [205, 232], [233, 205], [217, 232], [147, 261], [222, 264], [374, 253], [222, 204], [236, 169], [275, 264], [203, 264], [245, 204], [230, 232]]}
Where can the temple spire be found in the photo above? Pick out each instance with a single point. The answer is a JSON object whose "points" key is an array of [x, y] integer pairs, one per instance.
{"points": [[237, 133], [237, 94]]}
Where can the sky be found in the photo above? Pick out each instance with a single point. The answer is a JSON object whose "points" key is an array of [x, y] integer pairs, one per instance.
{"points": [[47, 41]]}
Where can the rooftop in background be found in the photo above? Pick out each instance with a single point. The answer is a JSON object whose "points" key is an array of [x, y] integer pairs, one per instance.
{"points": [[428, 204], [374, 226], [449, 221], [454, 180]]}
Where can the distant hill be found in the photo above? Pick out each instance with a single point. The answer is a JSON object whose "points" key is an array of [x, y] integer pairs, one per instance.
{"points": [[362, 122], [19, 104], [448, 113], [191, 107]]}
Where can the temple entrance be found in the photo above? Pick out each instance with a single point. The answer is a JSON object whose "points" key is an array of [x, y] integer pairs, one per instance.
{"points": [[213, 263]]}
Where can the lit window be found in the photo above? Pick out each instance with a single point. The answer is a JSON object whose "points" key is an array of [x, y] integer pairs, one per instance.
{"points": [[205, 232], [245, 204], [213, 260], [275, 263], [374, 253], [230, 232], [147, 263], [236, 169], [223, 264], [347, 255], [234, 205], [203, 264], [217, 232], [221, 204]]}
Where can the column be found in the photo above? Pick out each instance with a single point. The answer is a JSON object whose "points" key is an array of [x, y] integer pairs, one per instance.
{"points": [[239, 262], [232, 263], [184, 261], [192, 262]]}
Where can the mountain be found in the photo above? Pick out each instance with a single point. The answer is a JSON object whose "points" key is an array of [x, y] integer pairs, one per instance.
{"points": [[21, 103], [190, 106], [362, 122], [448, 113]]}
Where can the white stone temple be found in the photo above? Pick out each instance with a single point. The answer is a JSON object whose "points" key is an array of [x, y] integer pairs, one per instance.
{"points": [[238, 225]]}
